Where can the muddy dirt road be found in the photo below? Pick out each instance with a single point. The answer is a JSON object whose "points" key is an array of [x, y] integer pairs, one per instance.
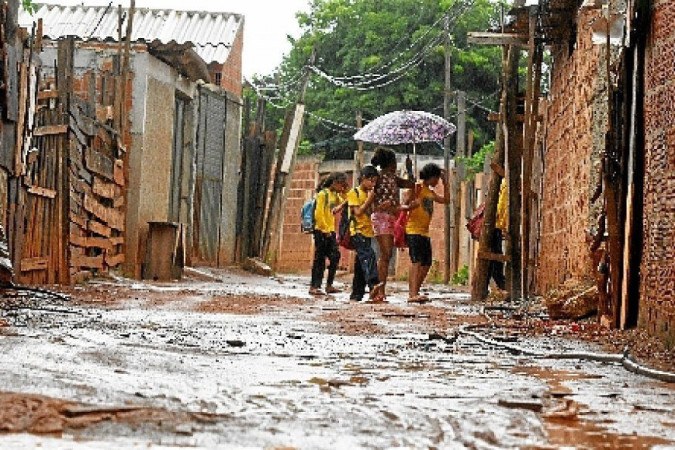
{"points": [[251, 362]]}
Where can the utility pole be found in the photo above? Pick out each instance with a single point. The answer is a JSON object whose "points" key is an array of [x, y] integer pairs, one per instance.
{"points": [[288, 148], [358, 157], [457, 179], [447, 98]]}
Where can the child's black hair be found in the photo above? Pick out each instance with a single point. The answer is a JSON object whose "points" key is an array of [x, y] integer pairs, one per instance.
{"points": [[325, 183], [339, 177], [368, 171], [383, 158], [430, 170]]}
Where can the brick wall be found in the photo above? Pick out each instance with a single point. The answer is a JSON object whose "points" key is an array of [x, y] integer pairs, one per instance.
{"points": [[657, 305], [575, 118], [296, 249], [230, 71]]}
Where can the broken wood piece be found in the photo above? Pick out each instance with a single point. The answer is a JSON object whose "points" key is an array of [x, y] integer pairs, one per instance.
{"points": [[99, 163], [90, 242], [31, 264], [530, 405], [48, 130], [41, 191], [88, 262], [99, 228], [115, 260], [498, 169], [493, 256], [112, 217], [105, 189], [118, 172]]}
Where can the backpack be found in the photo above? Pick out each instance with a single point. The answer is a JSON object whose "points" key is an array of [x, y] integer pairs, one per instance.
{"points": [[344, 236], [307, 221], [307, 216], [475, 224]]}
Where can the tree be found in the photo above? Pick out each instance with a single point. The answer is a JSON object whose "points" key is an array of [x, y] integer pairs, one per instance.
{"points": [[376, 56]]}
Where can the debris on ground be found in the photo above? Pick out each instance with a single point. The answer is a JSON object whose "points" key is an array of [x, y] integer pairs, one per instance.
{"points": [[572, 301]]}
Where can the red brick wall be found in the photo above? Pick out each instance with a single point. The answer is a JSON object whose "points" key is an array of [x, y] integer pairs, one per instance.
{"points": [[657, 305], [296, 249], [570, 177], [230, 71]]}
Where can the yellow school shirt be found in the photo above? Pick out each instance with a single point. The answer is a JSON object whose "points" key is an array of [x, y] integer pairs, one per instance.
{"points": [[420, 217], [359, 224], [324, 220], [503, 208]]}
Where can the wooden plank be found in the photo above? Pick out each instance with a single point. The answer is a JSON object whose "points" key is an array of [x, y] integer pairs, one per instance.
{"points": [[99, 228], [115, 260], [47, 130], [111, 216], [11, 108], [32, 264], [489, 256], [41, 191], [20, 124], [118, 174], [105, 189], [487, 38], [118, 202], [88, 262], [99, 164], [498, 169], [90, 242], [48, 94], [116, 240], [79, 220]]}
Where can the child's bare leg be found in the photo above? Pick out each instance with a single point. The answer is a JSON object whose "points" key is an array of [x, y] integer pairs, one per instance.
{"points": [[386, 245], [413, 280]]}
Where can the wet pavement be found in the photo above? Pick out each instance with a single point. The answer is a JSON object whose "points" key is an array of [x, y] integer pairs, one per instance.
{"points": [[251, 362]]}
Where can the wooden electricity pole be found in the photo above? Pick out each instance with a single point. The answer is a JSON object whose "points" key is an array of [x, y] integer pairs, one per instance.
{"points": [[288, 148], [447, 98], [358, 156], [457, 178]]}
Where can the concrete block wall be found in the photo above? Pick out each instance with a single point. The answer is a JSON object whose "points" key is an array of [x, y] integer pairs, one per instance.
{"points": [[574, 114], [657, 305]]}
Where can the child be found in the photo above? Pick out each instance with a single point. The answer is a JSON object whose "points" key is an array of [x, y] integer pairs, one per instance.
{"points": [[360, 200], [329, 202], [386, 207], [417, 229]]}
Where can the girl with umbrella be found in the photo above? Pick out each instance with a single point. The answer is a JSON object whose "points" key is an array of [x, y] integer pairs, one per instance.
{"points": [[386, 206]]}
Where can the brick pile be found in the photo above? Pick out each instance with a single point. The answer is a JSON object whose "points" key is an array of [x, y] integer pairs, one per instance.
{"points": [[657, 305]]}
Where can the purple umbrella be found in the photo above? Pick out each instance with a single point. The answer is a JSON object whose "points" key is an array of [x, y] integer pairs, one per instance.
{"points": [[406, 127]]}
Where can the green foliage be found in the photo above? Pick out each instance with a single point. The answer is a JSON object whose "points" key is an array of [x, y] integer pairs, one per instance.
{"points": [[28, 6], [305, 148], [461, 278], [475, 163], [377, 36]]}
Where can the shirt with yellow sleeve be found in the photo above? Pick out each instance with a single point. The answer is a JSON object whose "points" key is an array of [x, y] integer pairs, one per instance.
{"points": [[324, 220], [360, 224], [419, 218]]}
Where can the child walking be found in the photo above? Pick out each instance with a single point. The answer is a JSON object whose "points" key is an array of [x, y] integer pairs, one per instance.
{"points": [[329, 202], [386, 207], [417, 229], [360, 201]]}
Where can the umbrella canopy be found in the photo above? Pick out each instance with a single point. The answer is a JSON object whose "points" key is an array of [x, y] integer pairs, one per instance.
{"points": [[405, 127]]}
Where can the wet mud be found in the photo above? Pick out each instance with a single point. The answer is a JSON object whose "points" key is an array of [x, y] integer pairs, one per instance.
{"points": [[256, 362]]}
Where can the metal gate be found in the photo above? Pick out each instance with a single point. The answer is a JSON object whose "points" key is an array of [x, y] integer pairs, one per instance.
{"points": [[209, 177]]}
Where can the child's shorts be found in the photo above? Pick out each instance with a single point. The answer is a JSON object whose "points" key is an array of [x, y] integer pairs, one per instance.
{"points": [[419, 248], [383, 223]]}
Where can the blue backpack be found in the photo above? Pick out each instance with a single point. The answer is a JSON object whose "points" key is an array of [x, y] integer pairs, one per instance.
{"points": [[307, 215]]}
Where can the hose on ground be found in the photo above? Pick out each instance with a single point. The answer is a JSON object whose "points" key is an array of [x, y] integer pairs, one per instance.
{"points": [[628, 362]]}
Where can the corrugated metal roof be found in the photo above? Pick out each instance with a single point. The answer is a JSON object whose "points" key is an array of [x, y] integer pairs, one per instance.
{"points": [[211, 33]]}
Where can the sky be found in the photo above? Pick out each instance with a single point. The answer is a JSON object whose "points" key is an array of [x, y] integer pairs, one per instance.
{"points": [[267, 22]]}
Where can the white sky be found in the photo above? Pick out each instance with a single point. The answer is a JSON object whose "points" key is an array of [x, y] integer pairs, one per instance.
{"points": [[267, 22]]}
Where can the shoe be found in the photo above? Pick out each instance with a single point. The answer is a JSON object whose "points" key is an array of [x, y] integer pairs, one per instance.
{"points": [[332, 290], [316, 291], [418, 299]]}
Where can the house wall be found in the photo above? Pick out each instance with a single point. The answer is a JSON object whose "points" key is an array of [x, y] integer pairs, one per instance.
{"points": [[657, 306], [152, 115], [231, 176], [230, 72], [576, 118]]}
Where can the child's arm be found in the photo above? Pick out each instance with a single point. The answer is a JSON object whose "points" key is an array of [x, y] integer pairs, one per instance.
{"points": [[410, 201], [359, 211], [404, 184]]}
